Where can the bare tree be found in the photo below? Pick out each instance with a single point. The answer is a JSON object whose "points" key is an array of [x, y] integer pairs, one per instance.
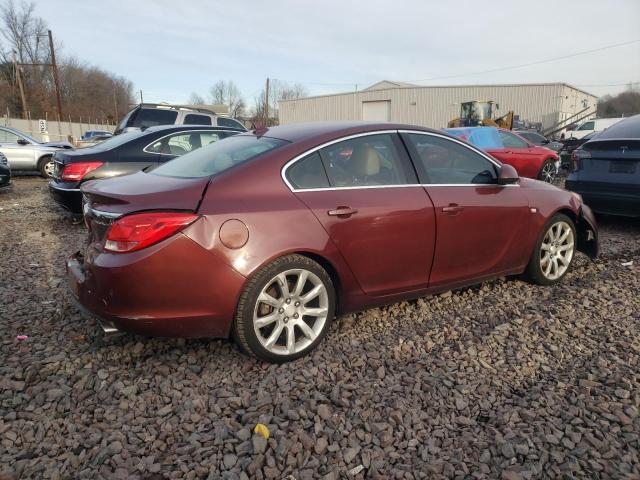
{"points": [[625, 103], [196, 99], [278, 90], [86, 91], [227, 93]]}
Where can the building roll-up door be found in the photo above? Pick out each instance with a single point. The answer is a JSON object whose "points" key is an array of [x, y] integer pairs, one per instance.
{"points": [[379, 111]]}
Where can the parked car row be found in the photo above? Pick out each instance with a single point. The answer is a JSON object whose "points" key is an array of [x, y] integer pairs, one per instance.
{"points": [[123, 154], [528, 159]]}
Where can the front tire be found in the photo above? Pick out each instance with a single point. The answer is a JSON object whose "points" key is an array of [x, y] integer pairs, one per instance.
{"points": [[285, 309], [554, 251], [46, 166], [548, 171]]}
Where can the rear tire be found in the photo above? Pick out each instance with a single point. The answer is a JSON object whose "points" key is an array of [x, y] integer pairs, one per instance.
{"points": [[548, 171], [45, 166], [285, 309], [554, 251]]}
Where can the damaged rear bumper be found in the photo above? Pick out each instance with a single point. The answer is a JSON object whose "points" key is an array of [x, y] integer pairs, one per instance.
{"points": [[587, 230]]}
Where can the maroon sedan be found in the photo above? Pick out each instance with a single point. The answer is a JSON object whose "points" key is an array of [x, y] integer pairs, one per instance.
{"points": [[267, 235]]}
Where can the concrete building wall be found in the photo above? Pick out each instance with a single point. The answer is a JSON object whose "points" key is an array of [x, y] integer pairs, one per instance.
{"points": [[56, 130], [435, 106]]}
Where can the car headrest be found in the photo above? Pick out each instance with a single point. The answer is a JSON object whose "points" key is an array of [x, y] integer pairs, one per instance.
{"points": [[365, 161]]}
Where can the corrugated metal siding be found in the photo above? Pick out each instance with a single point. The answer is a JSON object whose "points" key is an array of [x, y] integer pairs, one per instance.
{"points": [[435, 106]]}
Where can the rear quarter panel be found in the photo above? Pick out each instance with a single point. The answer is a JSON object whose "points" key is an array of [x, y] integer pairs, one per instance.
{"points": [[278, 223]]}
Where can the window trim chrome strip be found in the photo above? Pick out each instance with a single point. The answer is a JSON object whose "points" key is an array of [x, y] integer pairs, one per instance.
{"points": [[364, 187]]}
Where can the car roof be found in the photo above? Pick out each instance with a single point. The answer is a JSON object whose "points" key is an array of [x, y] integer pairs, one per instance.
{"points": [[298, 132], [177, 128]]}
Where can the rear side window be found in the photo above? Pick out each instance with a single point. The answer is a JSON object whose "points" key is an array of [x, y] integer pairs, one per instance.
{"points": [[218, 157], [183, 142], [149, 117], [228, 122], [443, 161], [193, 119], [308, 173], [371, 160]]}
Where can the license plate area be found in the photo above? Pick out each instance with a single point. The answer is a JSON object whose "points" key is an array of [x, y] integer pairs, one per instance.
{"points": [[622, 166]]}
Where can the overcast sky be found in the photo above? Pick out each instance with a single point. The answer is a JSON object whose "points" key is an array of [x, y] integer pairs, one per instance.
{"points": [[171, 48]]}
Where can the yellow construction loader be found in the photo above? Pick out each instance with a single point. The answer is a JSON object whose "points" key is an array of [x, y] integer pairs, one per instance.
{"points": [[481, 114]]}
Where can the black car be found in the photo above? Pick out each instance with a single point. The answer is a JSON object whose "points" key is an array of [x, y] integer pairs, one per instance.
{"points": [[123, 154], [5, 171], [606, 170], [539, 139]]}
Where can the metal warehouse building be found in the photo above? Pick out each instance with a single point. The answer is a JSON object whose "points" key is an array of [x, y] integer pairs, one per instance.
{"points": [[545, 103]]}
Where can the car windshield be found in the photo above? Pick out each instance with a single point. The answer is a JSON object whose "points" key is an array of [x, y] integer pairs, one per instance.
{"points": [[218, 157]]}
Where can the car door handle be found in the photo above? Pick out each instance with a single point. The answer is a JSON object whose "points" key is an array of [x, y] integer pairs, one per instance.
{"points": [[342, 212], [452, 209]]}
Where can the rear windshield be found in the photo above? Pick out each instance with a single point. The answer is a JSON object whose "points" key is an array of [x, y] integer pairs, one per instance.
{"points": [[149, 117], [116, 141], [628, 128], [218, 157]]}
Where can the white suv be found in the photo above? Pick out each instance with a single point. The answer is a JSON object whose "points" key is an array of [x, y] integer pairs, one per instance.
{"points": [[151, 114], [590, 126]]}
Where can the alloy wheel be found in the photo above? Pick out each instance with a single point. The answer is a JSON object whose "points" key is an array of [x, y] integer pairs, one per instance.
{"points": [[556, 250], [291, 311], [548, 173]]}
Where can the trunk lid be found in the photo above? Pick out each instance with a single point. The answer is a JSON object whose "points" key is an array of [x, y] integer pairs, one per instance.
{"points": [[106, 200], [612, 161]]}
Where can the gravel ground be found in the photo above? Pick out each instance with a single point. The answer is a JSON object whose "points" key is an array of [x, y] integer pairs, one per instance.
{"points": [[505, 380]]}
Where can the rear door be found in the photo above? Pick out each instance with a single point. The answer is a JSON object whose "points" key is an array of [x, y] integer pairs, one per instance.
{"points": [[364, 192], [479, 223]]}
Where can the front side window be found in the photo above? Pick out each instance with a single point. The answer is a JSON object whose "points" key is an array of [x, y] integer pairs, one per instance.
{"points": [[8, 137], [184, 142], [218, 157], [587, 126], [370, 160], [511, 141], [193, 119], [445, 161]]}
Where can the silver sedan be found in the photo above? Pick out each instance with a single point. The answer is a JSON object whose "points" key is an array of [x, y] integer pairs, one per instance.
{"points": [[27, 154]]}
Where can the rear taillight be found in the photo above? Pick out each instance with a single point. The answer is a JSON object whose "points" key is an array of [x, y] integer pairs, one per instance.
{"points": [[576, 157], [76, 171], [141, 230]]}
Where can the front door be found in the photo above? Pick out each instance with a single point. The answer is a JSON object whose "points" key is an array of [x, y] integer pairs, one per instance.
{"points": [[479, 223], [366, 196], [20, 157]]}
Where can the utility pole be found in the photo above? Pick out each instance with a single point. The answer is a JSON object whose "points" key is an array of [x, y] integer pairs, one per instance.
{"points": [[115, 104], [19, 80], [266, 104], [141, 101], [54, 66]]}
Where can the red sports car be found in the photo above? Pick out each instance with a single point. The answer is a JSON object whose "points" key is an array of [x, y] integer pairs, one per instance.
{"points": [[529, 160], [267, 235]]}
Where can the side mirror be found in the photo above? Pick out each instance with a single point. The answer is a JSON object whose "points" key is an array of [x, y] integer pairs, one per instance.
{"points": [[22, 141], [508, 175]]}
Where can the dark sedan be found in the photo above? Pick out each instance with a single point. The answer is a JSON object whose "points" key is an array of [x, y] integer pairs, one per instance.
{"points": [[606, 170], [268, 234], [5, 171], [124, 154]]}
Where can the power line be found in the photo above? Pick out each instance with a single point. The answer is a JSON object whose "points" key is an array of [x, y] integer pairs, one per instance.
{"points": [[498, 69]]}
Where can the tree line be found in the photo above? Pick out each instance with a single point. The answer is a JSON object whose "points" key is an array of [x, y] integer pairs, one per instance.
{"points": [[623, 104], [86, 91]]}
